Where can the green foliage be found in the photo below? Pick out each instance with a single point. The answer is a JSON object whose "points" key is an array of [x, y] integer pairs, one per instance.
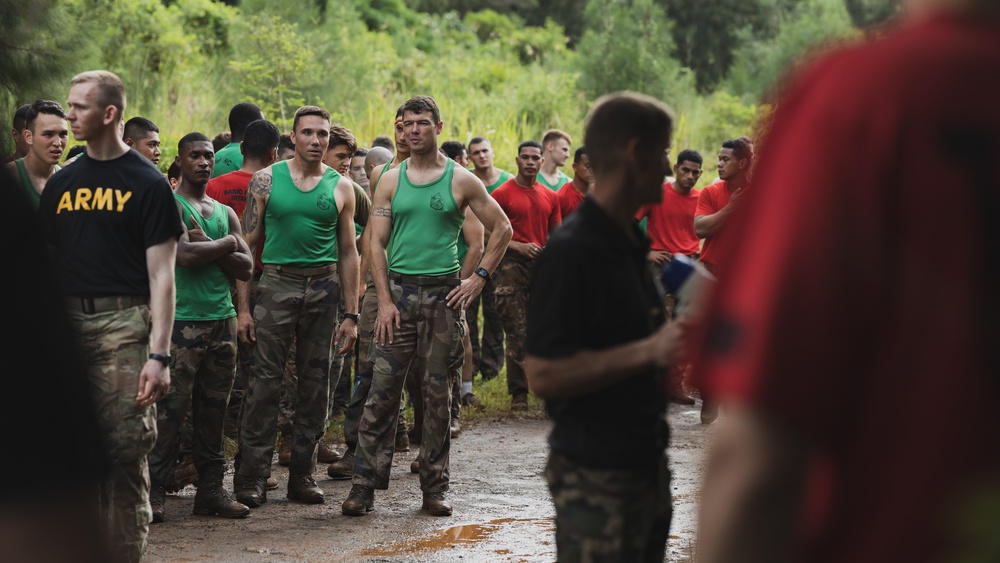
{"points": [[34, 56], [760, 64], [623, 49], [866, 13], [505, 69], [273, 68]]}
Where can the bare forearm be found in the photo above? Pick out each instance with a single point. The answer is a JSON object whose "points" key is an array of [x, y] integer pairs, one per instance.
{"points": [[471, 262], [708, 225], [587, 371], [349, 282], [162, 295], [191, 254], [496, 248]]}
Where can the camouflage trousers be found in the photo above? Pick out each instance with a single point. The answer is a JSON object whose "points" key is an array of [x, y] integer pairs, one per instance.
{"points": [[115, 347], [423, 349], [365, 368], [290, 385], [512, 303], [201, 380], [610, 515], [289, 307], [487, 349]]}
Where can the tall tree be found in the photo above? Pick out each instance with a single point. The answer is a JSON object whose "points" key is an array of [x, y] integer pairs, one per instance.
{"points": [[627, 46]]}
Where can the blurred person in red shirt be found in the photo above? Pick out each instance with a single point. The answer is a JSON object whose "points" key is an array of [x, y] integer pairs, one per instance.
{"points": [[852, 339]]}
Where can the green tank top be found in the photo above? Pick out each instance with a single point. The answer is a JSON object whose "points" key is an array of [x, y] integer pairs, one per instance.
{"points": [[384, 170], [426, 224], [559, 182], [504, 176], [301, 226], [203, 291], [29, 188]]}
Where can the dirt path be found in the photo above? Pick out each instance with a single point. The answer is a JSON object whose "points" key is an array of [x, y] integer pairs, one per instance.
{"points": [[502, 509]]}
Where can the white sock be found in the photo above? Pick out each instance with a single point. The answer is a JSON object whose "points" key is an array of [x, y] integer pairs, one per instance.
{"points": [[466, 388]]}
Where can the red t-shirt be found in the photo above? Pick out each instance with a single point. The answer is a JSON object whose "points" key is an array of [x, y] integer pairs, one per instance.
{"points": [[231, 189], [569, 199], [711, 200], [533, 212], [670, 225], [851, 317]]}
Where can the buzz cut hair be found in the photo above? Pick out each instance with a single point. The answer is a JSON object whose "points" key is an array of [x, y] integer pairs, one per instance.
{"points": [[340, 135], [308, 110], [138, 128], [553, 135], [529, 143], [261, 138], [453, 149], [48, 107], [241, 115], [617, 118], [110, 90], [423, 104], [192, 137], [20, 118]]}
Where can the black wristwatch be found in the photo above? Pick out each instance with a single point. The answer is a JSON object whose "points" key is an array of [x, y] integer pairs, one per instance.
{"points": [[162, 358], [483, 273], [353, 316]]}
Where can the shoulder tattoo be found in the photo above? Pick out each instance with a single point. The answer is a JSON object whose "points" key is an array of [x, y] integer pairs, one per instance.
{"points": [[260, 184]]}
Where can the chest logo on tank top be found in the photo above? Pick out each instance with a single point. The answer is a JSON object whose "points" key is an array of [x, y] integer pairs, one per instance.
{"points": [[219, 225], [437, 203], [324, 202]]}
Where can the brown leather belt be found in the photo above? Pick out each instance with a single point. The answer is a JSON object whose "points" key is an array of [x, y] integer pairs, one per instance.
{"points": [[95, 305], [329, 268], [424, 280]]}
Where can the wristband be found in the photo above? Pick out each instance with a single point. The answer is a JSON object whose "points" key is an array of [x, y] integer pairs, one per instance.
{"points": [[483, 273], [162, 358], [353, 316]]}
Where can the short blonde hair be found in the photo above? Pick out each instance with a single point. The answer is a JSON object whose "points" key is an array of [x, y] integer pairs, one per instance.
{"points": [[554, 134], [110, 90]]}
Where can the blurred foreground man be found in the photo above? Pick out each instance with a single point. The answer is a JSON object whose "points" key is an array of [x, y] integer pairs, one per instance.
{"points": [[599, 367], [863, 417]]}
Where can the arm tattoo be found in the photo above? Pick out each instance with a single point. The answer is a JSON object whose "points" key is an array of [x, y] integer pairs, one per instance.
{"points": [[250, 215], [260, 184], [381, 212]]}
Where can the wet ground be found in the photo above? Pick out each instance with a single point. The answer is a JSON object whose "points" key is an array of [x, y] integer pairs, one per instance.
{"points": [[502, 509]]}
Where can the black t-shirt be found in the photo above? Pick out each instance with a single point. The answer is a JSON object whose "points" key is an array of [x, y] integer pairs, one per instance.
{"points": [[101, 216], [591, 289]]}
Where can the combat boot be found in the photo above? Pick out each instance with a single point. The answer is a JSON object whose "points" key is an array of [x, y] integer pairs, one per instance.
{"points": [[212, 499], [456, 427], [436, 505], [326, 454], [402, 442], [415, 465], [360, 501], [343, 469], [157, 497], [285, 450], [304, 489], [251, 491]]}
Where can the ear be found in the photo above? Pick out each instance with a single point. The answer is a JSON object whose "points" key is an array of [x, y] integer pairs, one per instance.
{"points": [[130, 142], [631, 155], [241, 149], [440, 127], [110, 115], [28, 137]]}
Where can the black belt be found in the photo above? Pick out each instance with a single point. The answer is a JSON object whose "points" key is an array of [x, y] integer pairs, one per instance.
{"points": [[94, 305], [424, 280], [329, 268]]}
